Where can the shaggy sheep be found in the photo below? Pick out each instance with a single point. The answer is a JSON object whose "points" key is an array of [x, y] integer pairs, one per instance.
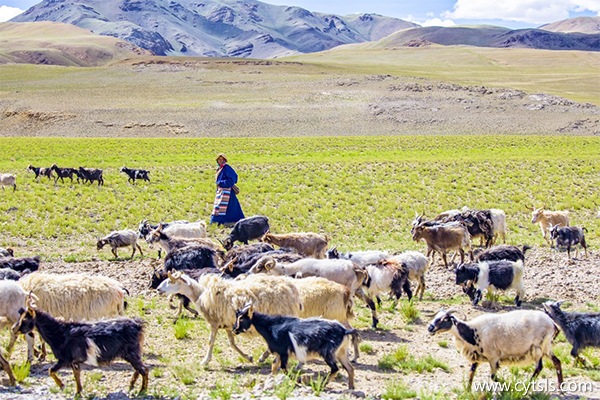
{"points": [[218, 299], [516, 337]]}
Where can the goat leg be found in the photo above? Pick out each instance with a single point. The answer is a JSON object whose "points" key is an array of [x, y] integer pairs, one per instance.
{"points": [[77, 374], [8, 370], [60, 364], [234, 346], [472, 374]]}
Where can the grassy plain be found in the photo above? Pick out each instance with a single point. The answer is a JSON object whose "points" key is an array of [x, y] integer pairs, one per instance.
{"points": [[363, 192]]}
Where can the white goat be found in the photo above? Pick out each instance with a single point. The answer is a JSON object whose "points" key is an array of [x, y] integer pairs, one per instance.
{"points": [[417, 264], [118, 239], [218, 299], [548, 219], [12, 298], [8, 180], [516, 337], [498, 224]]}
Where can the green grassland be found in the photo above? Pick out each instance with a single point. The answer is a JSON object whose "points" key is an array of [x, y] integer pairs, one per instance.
{"points": [[363, 192]]}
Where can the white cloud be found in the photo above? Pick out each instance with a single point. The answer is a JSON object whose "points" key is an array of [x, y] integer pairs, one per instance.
{"points": [[528, 11], [437, 22], [7, 13]]}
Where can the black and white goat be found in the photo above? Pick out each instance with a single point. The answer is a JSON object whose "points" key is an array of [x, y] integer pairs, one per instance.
{"points": [[134, 174], [495, 275], [6, 252], [91, 175], [41, 171], [76, 343], [385, 276], [21, 264], [235, 267], [304, 338], [569, 236], [247, 229], [581, 329]]}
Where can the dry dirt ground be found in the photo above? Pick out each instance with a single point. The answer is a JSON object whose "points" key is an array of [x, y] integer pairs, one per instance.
{"points": [[548, 275], [258, 99]]}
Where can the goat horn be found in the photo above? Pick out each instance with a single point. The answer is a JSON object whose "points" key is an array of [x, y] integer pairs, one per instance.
{"points": [[171, 276], [270, 264]]}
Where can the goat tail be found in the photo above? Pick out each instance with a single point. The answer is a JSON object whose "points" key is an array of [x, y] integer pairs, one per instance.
{"points": [[583, 229], [525, 248], [354, 334]]}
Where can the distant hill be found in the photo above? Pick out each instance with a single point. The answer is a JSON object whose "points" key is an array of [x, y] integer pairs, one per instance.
{"points": [[60, 44], [492, 36], [590, 25], [235, 28]]}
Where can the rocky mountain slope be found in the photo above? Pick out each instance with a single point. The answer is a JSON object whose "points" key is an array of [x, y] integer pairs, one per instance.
{"points": [[589, 25], [238, 28]]}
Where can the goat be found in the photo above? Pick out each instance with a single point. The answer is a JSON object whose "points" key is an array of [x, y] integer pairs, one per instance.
{"points": [[242, 253], [344, 272], [515, 337], [502, 252], [442, 238], [118, 239], [417, 264], [9, 274], [362, 258], [8, 180], [169, 243], [303, 338], [76, 343], [385, 276], [547, 219], [498, 224], [13, 298], [235, 268], [134, 174], [478, 223], [307, 244], [581, 329], [91, 175], [146, 227], [21, 264], [189, 230], [247, 229], [62, 173], [218, 299], [6, 252], [40, 171], [568, 237], [191, 257], [500, 275]]}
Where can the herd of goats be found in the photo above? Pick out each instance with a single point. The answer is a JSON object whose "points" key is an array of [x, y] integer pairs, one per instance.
{"points": [[293, 290]]}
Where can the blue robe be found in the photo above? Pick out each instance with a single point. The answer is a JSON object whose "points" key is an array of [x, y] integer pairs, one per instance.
{"points": [[226, 208]]}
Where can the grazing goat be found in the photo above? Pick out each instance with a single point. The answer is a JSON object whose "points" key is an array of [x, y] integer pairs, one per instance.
{"points": [[8, 180], [169, 243], [9, 274], [118, 239], [568, 237], [386, 276], [62, 173], [235, 268], [417, 264], [98, 343], [91, 175], [344, 272], [306, 244], [502, 252], [515, 337], [21, 264], [304, 338], [495, 275], [134, 174], [6, 252], [146, 227], [548, 219], [40, 171], [362, 258], [242, 253], [247, 229], [191, 257], [13, 298], [218, 299], [581, 329], [442, 238]]}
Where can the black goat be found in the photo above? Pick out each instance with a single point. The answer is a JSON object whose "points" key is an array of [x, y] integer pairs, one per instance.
{"points": [[581, 329], [21, 264], [242, 253], [478, 223], [191, 257], [91, 175], [9, 274], [500, 275], [247, 229], [501, 252], [304, 338], [62, 173], [41, 171], [235, 268], [134, 174], [569, 236], [76, 343]]}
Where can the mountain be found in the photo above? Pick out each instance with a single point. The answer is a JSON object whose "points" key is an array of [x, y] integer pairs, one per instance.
{"points": [[590, 25], [492, 36], [55, 43], [237, 28]]}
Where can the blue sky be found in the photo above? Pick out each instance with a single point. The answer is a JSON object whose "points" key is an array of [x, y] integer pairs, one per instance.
{"points": [[507, 13]]}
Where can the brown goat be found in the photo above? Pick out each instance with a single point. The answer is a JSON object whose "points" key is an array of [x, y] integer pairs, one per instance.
{"points": [[442, 238], [306, 244], [548, 219]]}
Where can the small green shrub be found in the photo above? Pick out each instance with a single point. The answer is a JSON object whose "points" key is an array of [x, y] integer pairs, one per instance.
{"points": [[397, 390], [366, 348], [410, 313], [182, 328], [21, 371]]}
